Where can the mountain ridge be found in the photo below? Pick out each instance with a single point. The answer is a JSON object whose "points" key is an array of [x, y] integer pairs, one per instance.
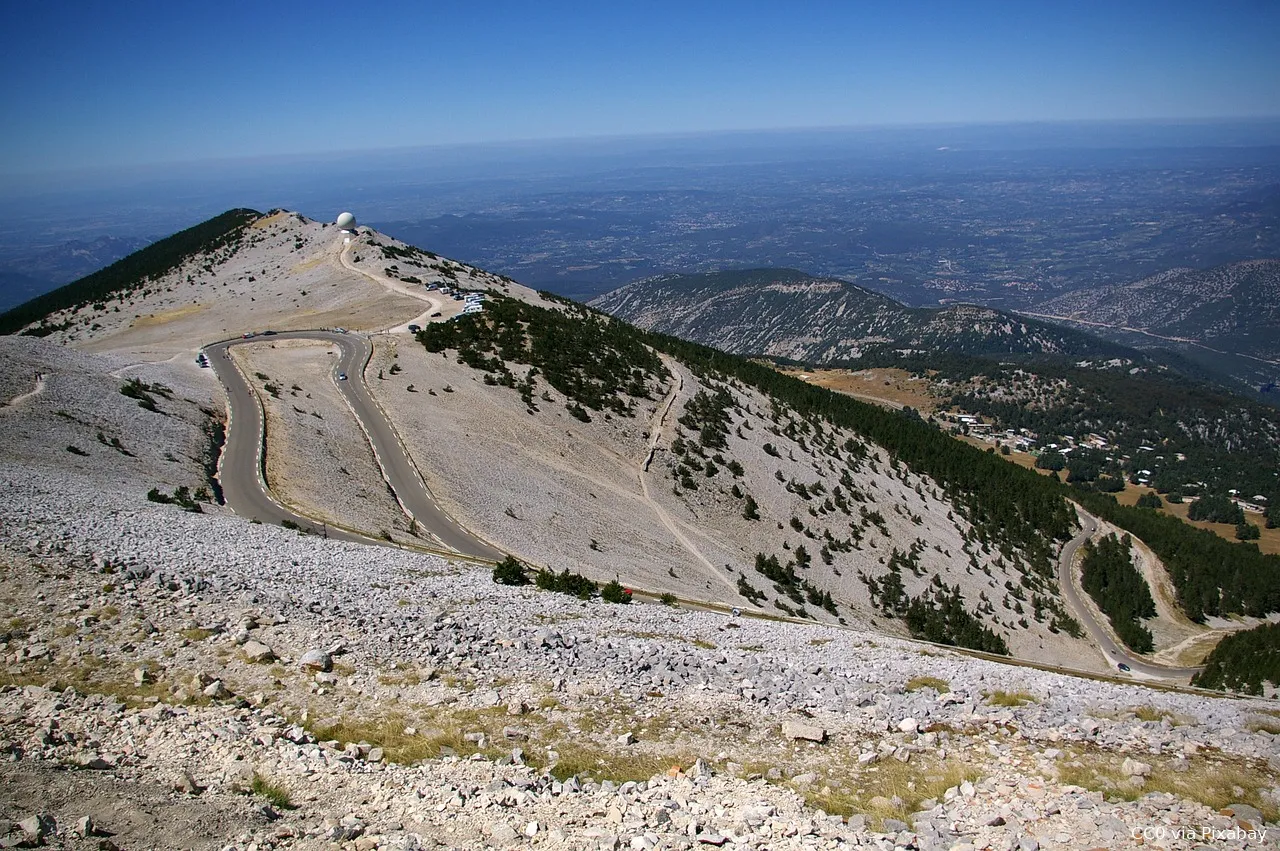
{"points": [[147, 263], [791, 314], [537, 368]]}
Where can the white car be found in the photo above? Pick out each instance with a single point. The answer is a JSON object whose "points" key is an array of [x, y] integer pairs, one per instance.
{"points": [[342, 376]]}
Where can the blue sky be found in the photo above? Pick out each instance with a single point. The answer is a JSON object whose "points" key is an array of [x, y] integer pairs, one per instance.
{"points": [[103, 85]]}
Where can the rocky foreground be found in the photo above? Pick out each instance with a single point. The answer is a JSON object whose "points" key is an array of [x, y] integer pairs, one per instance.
{"points": [[186, 680]]}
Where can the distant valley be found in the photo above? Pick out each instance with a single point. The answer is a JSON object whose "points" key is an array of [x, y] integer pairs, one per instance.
{"points": [[1003, 217]]}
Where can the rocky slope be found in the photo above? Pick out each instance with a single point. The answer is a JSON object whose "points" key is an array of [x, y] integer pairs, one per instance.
{"points": [[183, 680], [699, 485], [789, 314], [640, 492]]}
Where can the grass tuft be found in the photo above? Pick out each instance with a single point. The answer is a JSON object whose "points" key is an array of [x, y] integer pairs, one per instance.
{"points": [[1214, 782], [1263, 725], [941, 686], [434, 736], [888, 788], [610, 764], [277, 796], [1150, 713], [999, 697]]}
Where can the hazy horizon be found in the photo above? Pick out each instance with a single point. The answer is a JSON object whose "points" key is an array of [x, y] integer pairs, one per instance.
{"points": [[150, 82], [1268, 124], [519, 157]]}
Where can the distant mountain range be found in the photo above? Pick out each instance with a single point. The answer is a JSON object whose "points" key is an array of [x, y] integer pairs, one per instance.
{"points": [[1232, 309], [28, 272], [790, 314]]}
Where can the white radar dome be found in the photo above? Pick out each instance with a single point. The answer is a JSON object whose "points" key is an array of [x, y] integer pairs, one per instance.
{"points": [[346, 221]]}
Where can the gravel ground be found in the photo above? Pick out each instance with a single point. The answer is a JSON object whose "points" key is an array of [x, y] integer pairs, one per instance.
{"points": [[449, 675]]}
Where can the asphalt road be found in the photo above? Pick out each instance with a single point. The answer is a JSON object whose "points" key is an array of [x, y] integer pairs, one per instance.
{"points": [[1114, 652], [241, 469]]}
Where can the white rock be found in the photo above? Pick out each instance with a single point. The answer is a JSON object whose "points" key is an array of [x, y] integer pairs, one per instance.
{"points": [[1134, 768], [316, 660], [801, 731], [256, 651], [216, 690]]}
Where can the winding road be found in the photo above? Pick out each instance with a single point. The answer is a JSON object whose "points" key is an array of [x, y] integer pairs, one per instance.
{"points": [[1113, 651], [241, 471], [242, 463]]}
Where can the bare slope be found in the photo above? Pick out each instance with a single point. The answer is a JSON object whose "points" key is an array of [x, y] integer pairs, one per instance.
{"points": [[65, 411], [785, 313], [743, 502]]}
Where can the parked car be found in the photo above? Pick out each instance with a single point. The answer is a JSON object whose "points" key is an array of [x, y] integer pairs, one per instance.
{"points": [[414, 329], [436, 314]]}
